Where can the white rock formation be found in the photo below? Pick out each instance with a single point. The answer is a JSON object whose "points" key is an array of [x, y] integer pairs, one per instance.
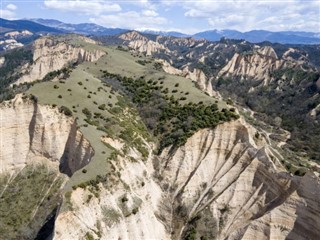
{"points": [[222, 183], [29, 130], [2, 60], [257, 65], [50, 55], [142, 44], [200, 78], [196, 75]]}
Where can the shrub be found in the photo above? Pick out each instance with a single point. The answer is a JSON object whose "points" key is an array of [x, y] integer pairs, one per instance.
{"points": [[102, 107], [65, 110], [84, 170], [86, 112], [135, 210], [59, 96]]}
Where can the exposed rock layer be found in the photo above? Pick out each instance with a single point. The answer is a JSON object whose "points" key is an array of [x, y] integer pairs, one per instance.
{"points": [[196, 75], [221, 184], [29, 130], [258, 65], [51, 55]]}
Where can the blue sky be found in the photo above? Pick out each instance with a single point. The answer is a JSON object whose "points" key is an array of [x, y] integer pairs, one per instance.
{"points": [[184, 15]]}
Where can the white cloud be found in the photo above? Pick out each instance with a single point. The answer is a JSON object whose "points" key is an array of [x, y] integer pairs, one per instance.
{"points": [[11, 7], [131, 20], [88, 7], [7, 14], [149, 13], [243, 15], [263, 14]]}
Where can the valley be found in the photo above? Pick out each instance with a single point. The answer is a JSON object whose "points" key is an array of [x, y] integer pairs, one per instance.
{"points": [[135, 136]]}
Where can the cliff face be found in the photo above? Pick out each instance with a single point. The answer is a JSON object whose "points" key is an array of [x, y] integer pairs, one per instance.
{"points": [[29, 130], [196, 75], [51, 55], [142, 44], [258, 65], [38, 143], [221, 184]]}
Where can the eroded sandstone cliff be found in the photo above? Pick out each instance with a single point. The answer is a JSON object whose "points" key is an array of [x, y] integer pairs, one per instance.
{"points": [[195, 75], [50, 54], [40, 147], [221, 184], [258, 65], [29, 130]]}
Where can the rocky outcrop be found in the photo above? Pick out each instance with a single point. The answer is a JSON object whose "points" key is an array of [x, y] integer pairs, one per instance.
{"points": [[258, 65], [16, 34], [242, 187], [2, 60], [202, 81], [29, 130], [50, 54], [222, 184], [268, 51], [133, 36], [196, 75], [141, 44]]}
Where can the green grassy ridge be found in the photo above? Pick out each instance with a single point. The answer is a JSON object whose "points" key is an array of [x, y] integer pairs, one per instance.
{"points": [[127, 64], [83, 89], [74, 94], [107, 117], [171, 120]]}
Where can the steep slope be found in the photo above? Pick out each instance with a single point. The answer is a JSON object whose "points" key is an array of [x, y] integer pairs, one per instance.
{"points": [[284, 88], [141, 43], [30, 130], [280, 83], [38, 143], [220, 184], [51, 54], [196, 75], [258, 65], [196, 174]]}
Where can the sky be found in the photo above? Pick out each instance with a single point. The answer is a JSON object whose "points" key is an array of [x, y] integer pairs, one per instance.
{"points": [[184, 16]]}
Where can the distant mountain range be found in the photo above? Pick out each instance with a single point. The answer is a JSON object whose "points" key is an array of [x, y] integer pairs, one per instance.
{"points": [[255, 36], [20, 25], [81, 28], [54, 26]]}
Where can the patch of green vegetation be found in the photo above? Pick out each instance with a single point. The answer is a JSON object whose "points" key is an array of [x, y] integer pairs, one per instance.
{"points": [[134, 207], [89, 236], [68, 202], [62, 74], [285, 102], [172, 122], [65, 110], [91, 119], [29, 198], [13, 59], [192, 234], [110, 216]]}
